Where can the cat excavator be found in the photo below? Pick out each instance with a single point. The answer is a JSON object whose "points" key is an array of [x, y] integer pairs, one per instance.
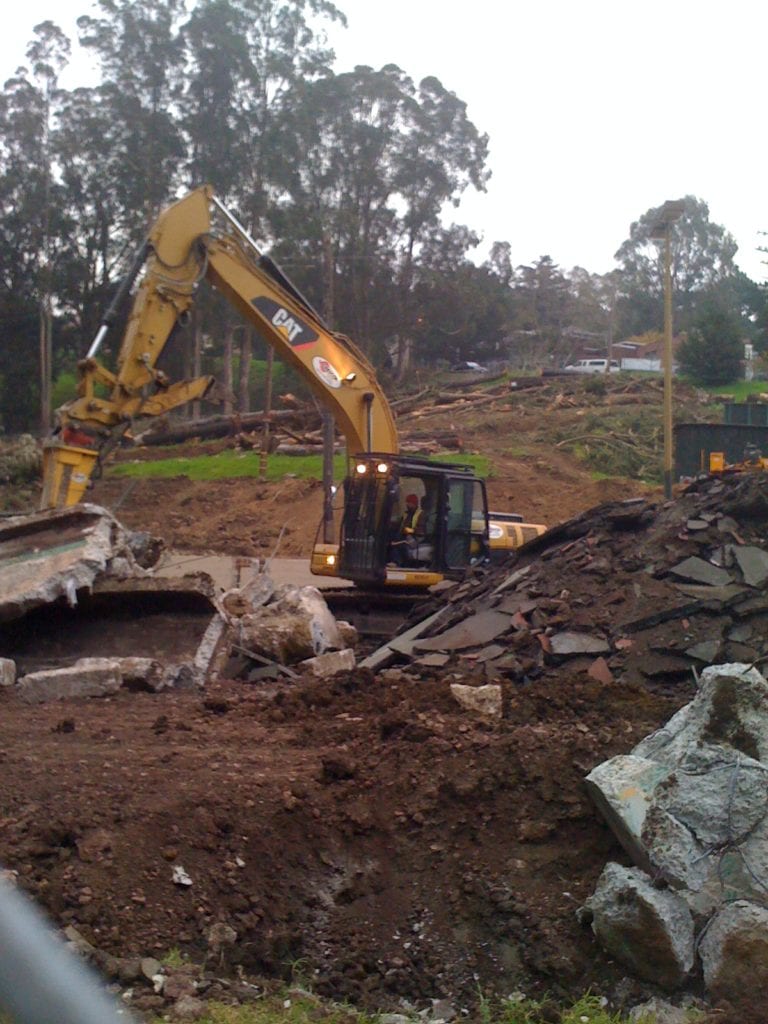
{"points": [[186, 247]]}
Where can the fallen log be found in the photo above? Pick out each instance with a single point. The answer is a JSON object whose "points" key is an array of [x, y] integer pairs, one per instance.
{"points": [[226, 426]]}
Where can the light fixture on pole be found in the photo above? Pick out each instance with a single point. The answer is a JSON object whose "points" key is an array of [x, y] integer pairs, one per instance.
{"points": [[666, 216]]}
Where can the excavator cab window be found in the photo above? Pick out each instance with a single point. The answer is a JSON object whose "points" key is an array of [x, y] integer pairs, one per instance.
{"points": [[411, 515]]}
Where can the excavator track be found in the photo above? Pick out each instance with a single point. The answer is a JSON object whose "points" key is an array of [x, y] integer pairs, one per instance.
{"points": [[373, 613]]}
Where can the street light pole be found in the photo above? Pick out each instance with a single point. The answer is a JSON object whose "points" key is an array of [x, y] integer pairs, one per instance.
{"points": [[671, 211]]}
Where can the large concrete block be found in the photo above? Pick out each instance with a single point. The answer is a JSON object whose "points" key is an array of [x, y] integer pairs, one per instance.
{"points": [[728, 710], [7, 672], [89, 677]]}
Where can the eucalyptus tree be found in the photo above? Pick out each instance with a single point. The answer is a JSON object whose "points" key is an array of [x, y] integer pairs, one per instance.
{"points": [[376, 159], [140, 53], [703, 257], [30, 227]]}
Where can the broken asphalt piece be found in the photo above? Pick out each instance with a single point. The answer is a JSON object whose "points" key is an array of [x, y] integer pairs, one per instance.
{"points": [[699, 571], [473, 631], [753, 563]]}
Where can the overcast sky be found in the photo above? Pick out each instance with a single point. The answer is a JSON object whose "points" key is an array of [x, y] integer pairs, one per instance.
{"points": [[596, 109]]}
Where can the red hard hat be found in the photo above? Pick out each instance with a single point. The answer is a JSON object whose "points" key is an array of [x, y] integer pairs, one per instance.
{"points": [[412, 499]]}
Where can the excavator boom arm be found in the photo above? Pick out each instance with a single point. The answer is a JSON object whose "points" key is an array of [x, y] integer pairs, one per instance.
{"points": [[183, 249]]}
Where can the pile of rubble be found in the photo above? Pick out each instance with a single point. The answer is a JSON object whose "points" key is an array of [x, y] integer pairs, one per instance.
{"points": [[82, 615], [627, 592]]}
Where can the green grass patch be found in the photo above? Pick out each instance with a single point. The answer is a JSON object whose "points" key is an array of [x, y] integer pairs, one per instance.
{"points": [[303, 1008], [230, 465], [739, 391]]}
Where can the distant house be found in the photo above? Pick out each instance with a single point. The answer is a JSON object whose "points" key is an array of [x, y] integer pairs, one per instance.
{"points": [[643, 352]]}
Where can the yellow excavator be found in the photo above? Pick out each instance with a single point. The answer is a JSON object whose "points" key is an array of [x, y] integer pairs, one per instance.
{"points": [[183, 249]]}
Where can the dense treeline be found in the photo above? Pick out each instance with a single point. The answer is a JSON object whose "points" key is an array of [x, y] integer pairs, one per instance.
{"points": [[345, 177]]}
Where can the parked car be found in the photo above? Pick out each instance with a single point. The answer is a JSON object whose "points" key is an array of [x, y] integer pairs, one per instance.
{"points": [[593, 366], [468, 367]]}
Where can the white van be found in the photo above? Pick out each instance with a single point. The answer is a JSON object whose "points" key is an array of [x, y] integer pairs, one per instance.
{"points": [[593, 366]]}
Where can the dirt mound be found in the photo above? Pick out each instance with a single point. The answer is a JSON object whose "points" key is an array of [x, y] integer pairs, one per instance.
{"points": [[367, 829]]}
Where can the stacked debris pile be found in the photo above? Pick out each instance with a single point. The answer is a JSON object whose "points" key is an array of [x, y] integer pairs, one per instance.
{"points": [[690, 806], [628, 592]]}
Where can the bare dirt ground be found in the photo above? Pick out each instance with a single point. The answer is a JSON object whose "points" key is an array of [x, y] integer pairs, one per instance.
{"points": [[365, 833], [246, 517]]}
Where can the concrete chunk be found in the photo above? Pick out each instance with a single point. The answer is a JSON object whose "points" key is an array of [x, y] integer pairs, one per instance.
{"points": [[649, 930], [734, 954], [483, 700], [88, 677], [622, 789], [7, 672], [330, 663]]}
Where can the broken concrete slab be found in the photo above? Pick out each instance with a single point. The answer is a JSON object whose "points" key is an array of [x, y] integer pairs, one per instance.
{"points": [[734, 953], [89, 677], [649, 930], [474, 631], [482, 700], [699, 571], [569, 643], [7, 672], [55, 554], [328, 664]]}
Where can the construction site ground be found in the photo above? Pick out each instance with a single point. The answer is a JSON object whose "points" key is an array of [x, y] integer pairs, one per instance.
{"points": [[365, 833]]}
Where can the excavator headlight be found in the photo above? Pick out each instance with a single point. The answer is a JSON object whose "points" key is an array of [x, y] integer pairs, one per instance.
{"points": [[330, 559], [382, 468], [361, 468], [495, 532]]}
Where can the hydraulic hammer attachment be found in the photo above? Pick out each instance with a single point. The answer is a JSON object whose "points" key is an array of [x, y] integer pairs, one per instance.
{"points": [[66, 472]]}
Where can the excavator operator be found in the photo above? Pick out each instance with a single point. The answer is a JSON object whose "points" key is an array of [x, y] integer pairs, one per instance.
{"points": [[409, 525]]}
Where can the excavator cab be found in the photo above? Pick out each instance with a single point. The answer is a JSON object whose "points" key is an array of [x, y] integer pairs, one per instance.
{"points": [[410, 522]]}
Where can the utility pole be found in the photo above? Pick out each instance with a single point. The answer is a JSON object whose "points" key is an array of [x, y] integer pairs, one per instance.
{"points": [[671, 211]]}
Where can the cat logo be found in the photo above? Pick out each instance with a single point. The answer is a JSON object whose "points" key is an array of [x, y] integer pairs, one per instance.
{"points": [[294, 330]]}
